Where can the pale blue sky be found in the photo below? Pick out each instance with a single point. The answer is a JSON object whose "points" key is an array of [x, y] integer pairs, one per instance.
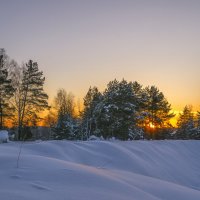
{"points": [[83, 43]]}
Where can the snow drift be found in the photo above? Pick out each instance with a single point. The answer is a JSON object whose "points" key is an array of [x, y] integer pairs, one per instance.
{"points": [[101, 170], [4, 136]]}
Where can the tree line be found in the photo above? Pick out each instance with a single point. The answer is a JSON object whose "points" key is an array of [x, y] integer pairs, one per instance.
{"points": [[22, 97], [124, 110]]}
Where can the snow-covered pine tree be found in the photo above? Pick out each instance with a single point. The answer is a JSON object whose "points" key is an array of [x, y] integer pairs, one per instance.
{"points": [[6, 89], [115, 114], [198, 119], [139, 101], [197, 133], [89, 125], [66, 128], [186, 124]]}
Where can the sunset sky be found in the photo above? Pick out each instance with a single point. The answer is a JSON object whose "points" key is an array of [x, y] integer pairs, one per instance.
{"points": [[90, 42]]}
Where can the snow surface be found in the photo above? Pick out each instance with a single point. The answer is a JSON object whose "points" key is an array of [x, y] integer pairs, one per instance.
{"points": [[100, 170]]}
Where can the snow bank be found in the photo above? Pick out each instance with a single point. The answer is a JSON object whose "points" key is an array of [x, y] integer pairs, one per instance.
{"points": [[93, 137], [3, 136], [101, 170]]}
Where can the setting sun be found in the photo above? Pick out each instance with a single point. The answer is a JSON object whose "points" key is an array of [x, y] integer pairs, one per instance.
{"points": [[151, 125]]}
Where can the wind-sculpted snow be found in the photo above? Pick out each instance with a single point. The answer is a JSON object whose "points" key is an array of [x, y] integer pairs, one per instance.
{"points": [[100, 170]]}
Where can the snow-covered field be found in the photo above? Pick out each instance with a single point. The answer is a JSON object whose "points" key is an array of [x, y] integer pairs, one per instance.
{"points": [[101, 170]]}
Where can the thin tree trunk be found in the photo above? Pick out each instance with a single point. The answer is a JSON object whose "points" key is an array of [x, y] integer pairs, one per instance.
{"points": [[87, 129], [23, 107], [21, 113], [1, 123], [19, 120]]}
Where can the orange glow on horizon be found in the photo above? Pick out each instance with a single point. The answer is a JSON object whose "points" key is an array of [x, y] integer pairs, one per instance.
{"points": [[79, 107]]}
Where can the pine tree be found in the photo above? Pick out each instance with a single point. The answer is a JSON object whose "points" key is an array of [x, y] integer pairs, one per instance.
{"points": [[6, 89], [116, 112], [33, 99], [67, 128], [197, 134], [139, 101], [157, 111], [89, 125], [198, 119], [186, 123]]}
